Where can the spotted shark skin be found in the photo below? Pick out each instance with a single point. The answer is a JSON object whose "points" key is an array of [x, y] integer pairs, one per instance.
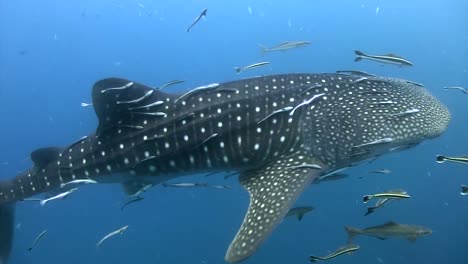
{"points": [[148, 136]]}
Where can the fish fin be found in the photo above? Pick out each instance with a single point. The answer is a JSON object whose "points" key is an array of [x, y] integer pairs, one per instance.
{"points": [[464, 190], [112, 100], [7, 220], [370, 210], [237, 69], [359, 53], [300, 216], [352, 232], [263, 49], [272, 189], [43, 156], [133, 187]]}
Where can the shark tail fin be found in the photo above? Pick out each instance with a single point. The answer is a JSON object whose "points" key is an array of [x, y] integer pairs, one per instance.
{"points": [[352, 232], [7, 215]]}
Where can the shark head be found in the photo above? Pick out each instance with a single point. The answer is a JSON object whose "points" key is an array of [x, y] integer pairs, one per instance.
{"points": [[280, 132], [362, 118]]}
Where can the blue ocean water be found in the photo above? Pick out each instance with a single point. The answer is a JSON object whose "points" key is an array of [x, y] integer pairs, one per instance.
{"points": [[51, 53]]}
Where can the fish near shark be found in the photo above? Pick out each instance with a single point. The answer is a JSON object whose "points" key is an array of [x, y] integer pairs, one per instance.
{"points": [[280, 132]]}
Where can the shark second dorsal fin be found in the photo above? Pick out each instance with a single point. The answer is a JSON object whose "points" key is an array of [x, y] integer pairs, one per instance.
{"points": [[122, 104], [43, 156], [272, 189]]}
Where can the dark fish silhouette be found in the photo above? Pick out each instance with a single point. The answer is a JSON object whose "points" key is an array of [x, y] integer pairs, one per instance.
{"points": [[279, 132]]}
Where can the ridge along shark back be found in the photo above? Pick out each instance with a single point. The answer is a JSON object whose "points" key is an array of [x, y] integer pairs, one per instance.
{"points": [[279, 132]]}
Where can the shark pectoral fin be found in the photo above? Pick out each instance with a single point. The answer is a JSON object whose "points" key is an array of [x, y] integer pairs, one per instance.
{"points": [[273, 189]]}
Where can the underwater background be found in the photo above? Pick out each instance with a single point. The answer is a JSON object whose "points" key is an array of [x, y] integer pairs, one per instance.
{"points": [[51, 53]]}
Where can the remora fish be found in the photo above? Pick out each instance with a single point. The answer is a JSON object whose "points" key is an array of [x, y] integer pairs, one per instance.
{"points": [[119, 231], [185, 184], [299, 212], [463, 90], [83, 181], [464, 190], [340, 251], [202, 14], [285, 46], [37, 239], [251, 66], [389, 229], [382, 171], [213, 129], [133, 199], [174, 82], [459, 159], [397, 194], [389, 58], [58, 196]]}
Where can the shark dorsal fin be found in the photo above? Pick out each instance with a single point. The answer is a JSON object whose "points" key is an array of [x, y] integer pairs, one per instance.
{"points": [[43, 156], [122, 104]]}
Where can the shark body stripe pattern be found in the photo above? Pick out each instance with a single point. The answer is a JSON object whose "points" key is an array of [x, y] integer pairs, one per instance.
{"points": [[280, 132]]}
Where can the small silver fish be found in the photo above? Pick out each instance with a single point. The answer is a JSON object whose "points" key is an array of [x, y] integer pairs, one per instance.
{"points": [[185, 184], [251, 66], [173, 82], [463, 90], [58, 196], [132, 200], [37, 239], [202, 14], [119, 231], [79, 181], [382, 171], [458, 159], [284, 46], [389, 194], [340, 251], [389, 58]]}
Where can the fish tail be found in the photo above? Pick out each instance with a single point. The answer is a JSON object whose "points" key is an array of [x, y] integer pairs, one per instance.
{"points": [[238, 69], [359, 55], [314, 259], [464, 190], [352, 232], [7, 219], [366, 198], [440, 159], [263, 49]]}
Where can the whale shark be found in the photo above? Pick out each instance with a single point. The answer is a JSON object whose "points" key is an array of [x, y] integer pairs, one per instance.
{"points": [[279, 132]]}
